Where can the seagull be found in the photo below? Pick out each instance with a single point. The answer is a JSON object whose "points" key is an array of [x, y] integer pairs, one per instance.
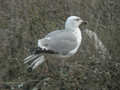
{"points": [[63, 43]]}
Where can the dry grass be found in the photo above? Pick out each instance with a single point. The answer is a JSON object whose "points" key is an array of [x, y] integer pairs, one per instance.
{"points": [[23, 22]]}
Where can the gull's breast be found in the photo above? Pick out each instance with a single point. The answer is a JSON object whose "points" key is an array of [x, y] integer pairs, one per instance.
{"points": [[77, 33]]}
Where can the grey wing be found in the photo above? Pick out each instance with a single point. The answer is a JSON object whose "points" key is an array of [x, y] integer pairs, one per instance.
{"points": [[61, 42]]}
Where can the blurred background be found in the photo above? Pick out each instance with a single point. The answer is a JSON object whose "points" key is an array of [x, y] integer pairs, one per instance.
{"points": [[96, 66]]}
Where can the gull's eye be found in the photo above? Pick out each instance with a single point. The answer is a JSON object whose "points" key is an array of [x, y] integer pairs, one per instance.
{"points": [[78, 19]]}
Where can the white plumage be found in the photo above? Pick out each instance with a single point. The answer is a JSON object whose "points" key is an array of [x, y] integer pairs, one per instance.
{"points": [[64, 43]]}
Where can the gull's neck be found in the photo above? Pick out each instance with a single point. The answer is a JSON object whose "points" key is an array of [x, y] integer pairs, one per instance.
{"points": [[70, 27], [73, 29]]}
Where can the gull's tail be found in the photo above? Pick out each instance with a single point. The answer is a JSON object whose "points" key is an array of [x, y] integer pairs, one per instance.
{"points": [[35, 60]]}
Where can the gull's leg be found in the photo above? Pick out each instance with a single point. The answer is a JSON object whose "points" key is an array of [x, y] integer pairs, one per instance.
{"points": [[46, 70], [61, 67], [51, 67]]}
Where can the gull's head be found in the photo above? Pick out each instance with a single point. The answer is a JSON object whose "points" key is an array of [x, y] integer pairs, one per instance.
{"points": [[73, 22]]}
